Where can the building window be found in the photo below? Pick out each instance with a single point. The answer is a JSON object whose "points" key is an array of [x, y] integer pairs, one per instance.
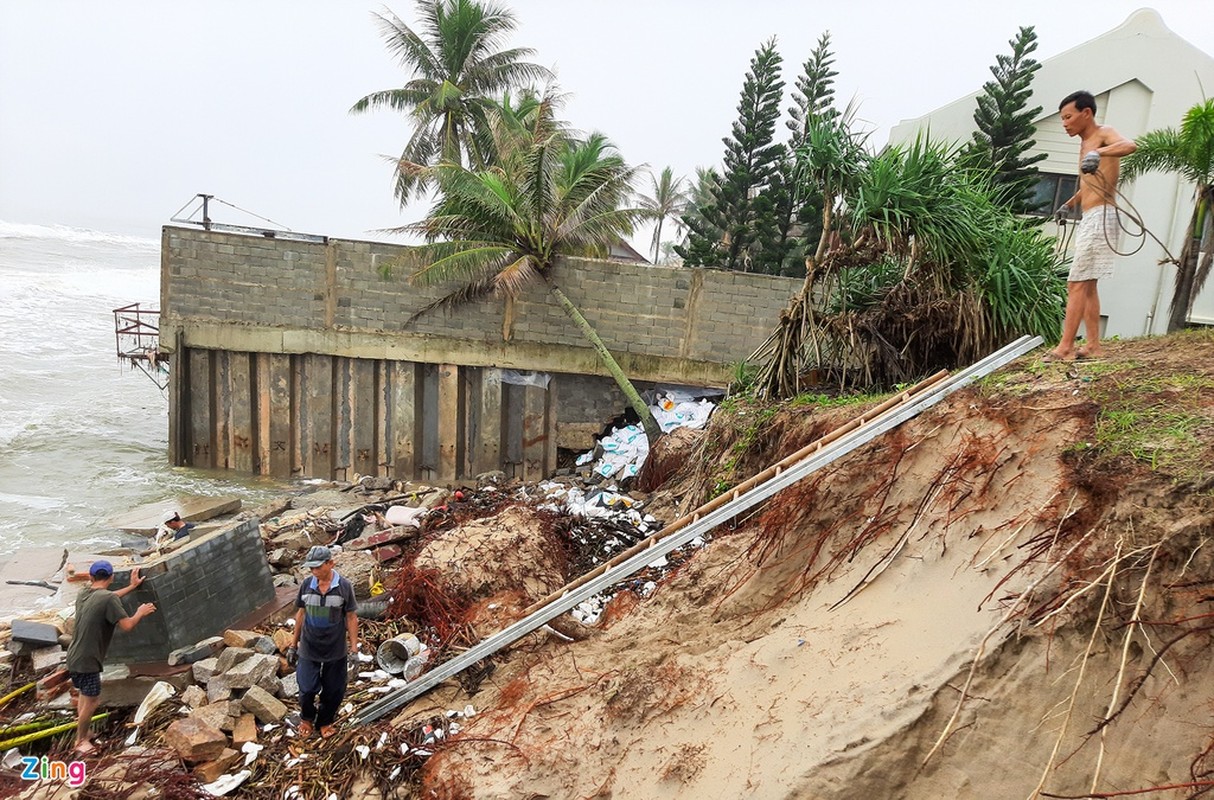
{"points": [[1051, 191]]}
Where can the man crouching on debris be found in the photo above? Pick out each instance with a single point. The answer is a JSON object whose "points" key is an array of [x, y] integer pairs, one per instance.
{"points": [[325, 644], [98, 612]]}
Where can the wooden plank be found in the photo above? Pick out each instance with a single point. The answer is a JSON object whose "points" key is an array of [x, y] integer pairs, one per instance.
{"points": [[448, 422], [383, 427], [261, 411], [402, 400], [512, 430], [550, 424], [487, 444], [221, 419], [343, 422], [201, 452], [278, 419], [535, 432], [363, 460], [147, 518], [316, 416], [241, 406]]}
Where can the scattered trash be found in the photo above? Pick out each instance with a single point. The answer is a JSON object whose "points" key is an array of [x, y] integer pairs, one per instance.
{"points": [[226, 783]]}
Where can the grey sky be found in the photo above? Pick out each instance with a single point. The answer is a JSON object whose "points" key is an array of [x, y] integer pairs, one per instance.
{"points": [[112, 115]]}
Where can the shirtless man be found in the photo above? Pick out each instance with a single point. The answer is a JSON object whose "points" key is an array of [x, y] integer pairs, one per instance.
{"points": [[1100, 152]]}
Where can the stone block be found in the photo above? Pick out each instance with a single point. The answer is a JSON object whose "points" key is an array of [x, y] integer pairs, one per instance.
{"points": [[245, 729], [239, 638], [265, 706], [196, 652], [45, 658], [214, 714], [211, 770], [194, 696], [36, 633], [205, 669], [218, 689], [253, 671], [290, 686], [230, 658], [264, 645], [194, 740], [282, 639]]}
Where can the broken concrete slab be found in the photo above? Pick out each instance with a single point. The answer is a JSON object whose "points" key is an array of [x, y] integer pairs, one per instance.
{"points": [[40, 633], [389, 536], [146, 519], [45, 658]]}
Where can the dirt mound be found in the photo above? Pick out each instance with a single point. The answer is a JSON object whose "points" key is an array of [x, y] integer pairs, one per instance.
{"points": [[504, 552], [1007, 596]]}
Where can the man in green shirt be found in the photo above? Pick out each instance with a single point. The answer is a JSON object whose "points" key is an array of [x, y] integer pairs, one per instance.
{"points": [[98, 612]]}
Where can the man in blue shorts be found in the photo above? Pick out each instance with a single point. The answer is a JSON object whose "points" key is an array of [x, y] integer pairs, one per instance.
{"points": [[98, 612]]}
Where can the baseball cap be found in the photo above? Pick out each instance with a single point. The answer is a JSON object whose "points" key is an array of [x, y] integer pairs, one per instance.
{"points": [[318, 555], [101, 569]]}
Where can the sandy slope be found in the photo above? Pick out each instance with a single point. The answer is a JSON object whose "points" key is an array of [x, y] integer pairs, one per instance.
{"points": [[738, 679]]}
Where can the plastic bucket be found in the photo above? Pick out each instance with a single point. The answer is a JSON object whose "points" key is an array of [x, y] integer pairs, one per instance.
{"points": [[393, 655]]}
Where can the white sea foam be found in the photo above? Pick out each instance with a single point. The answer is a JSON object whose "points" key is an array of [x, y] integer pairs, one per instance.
{"points": [[19, 230]]}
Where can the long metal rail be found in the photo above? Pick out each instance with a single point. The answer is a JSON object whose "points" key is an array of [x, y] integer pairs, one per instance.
{"points": [[891, 418]]}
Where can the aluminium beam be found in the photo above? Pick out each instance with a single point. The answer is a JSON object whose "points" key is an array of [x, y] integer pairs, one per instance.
{"points": [[837, 449]]}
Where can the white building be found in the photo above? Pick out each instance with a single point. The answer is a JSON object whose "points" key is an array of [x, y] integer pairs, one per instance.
{"points": [[1144, 77]]}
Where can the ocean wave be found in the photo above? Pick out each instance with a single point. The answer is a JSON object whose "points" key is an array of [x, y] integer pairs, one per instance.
{"points": [[64, 233]]}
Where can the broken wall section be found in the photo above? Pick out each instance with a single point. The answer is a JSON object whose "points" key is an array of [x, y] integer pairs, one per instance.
{"points": [[199, 589]]}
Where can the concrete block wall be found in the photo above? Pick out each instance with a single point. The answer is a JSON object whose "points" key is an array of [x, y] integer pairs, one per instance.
{"points": [[199, 590], [311, 293], [294, 358]]}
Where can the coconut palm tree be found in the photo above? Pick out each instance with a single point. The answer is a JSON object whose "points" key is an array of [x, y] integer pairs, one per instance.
{"points": [[458, 71], [496, 229], [667, 201], [1189, 152]]}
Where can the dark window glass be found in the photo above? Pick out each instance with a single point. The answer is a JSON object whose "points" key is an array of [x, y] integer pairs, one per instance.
{"points": [[1051, 191]]}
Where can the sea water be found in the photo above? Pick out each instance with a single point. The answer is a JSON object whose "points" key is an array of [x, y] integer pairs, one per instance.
{"points": [[82, 436]]}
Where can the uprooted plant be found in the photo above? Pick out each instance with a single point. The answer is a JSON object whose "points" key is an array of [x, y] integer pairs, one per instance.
{"points": [[917, 268]]}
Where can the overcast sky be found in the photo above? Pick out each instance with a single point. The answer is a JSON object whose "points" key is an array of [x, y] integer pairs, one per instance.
{"points": [[114, 114]]}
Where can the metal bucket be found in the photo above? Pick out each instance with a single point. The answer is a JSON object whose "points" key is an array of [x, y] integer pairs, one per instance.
{"points": [[415, 665], [394, 654]]}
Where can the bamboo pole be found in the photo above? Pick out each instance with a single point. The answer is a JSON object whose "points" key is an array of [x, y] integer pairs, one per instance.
{"points": [[42, 734], [744, 487], [16, 693]]}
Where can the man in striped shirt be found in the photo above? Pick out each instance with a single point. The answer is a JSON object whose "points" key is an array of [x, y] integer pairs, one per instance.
{"points": [[325, 642]]}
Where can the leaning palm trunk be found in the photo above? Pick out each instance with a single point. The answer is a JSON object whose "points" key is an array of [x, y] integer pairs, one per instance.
{"points": [[652, 431]]}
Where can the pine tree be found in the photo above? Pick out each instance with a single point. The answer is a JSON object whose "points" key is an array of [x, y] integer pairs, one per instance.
{"points": [[722, 232], [1005, 128], [813, 97]]}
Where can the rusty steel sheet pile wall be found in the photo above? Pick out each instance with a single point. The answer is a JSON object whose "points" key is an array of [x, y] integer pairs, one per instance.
{"points": [[296, 358]]}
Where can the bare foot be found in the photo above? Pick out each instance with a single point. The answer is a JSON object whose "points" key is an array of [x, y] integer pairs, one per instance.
{"points": [[1054, 355], [1089, 352], [84, 748]]}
